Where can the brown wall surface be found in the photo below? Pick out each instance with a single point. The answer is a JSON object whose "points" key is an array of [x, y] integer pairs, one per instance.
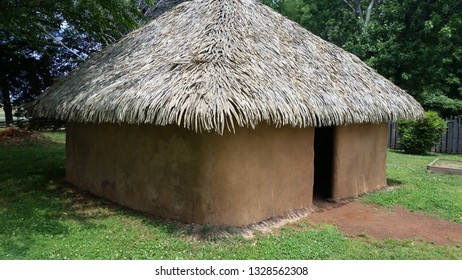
{"points": [[235, 179], [360, 152]]}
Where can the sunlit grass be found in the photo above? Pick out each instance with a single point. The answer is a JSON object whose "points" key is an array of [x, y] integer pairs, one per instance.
{"points": [[56, 136], [43, 218], [438, 195]]}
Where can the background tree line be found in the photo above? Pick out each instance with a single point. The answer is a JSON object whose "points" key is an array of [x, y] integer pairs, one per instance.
{"points": [[416, 44], [42, 40]]}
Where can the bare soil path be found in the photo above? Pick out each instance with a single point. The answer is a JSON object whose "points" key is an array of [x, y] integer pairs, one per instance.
{"points": [[358, 219]]}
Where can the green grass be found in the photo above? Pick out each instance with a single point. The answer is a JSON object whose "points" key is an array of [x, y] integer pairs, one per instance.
{"points": [[438, 195], [43, 218], [57, 136]]}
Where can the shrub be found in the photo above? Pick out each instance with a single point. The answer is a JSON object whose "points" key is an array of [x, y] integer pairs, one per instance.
{"points": [[418, 137]]}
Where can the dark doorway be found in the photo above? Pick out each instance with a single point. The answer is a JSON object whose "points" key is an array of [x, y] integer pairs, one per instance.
{"points": [[323, 161]]}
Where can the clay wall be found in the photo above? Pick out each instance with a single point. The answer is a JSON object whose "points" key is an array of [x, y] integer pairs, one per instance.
{"points": [[234, 179], [359, 166]]}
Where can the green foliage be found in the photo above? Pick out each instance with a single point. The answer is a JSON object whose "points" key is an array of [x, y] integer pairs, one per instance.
{"points": [[43, 218], [330, 19], [29, 21], [437, 100], [418, 137], [43, 39], [415, 44]]}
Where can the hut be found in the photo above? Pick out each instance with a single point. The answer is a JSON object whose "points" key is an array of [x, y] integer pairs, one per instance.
{"points": [[225, 112]]}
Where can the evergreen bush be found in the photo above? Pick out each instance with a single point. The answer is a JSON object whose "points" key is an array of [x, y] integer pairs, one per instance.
{"points": [[418, 137]]}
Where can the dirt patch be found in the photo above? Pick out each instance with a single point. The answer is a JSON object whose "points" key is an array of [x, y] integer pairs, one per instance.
{"points": [[14, 132], [445, 166], [448, 163], [18, 137], [358, 219]]}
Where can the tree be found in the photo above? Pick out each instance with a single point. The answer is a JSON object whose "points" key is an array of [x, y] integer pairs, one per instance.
{"points": [[161, 6], [336, 21], [43, 39], [416, 44]]}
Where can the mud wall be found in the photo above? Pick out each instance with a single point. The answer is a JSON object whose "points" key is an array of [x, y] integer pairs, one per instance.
{"points": [[359, 166], [235, 179]]}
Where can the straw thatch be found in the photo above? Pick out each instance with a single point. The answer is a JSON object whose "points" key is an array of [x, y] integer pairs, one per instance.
{"points": [[213, 64]]}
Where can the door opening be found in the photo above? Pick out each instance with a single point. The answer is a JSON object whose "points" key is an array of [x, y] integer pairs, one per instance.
{"points": [[323, 162]]}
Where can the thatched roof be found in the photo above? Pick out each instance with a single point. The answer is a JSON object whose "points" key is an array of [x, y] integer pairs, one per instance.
{"points": [[214, 64]]}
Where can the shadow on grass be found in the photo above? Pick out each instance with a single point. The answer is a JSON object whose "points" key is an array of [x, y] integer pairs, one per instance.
{"points": [[35, 202], [393, 182]]}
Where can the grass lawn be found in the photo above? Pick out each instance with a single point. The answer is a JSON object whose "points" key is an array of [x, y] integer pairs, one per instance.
{"points": [[56, 136], [43, 218]]}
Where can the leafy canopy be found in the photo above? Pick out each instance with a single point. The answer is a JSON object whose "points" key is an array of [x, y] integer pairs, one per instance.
{"points": [[415, 44], [43, 39]]}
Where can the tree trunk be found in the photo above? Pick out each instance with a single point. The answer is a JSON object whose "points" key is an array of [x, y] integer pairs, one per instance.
{"points": [[357, 7], [7, 107], [369, 12]]}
